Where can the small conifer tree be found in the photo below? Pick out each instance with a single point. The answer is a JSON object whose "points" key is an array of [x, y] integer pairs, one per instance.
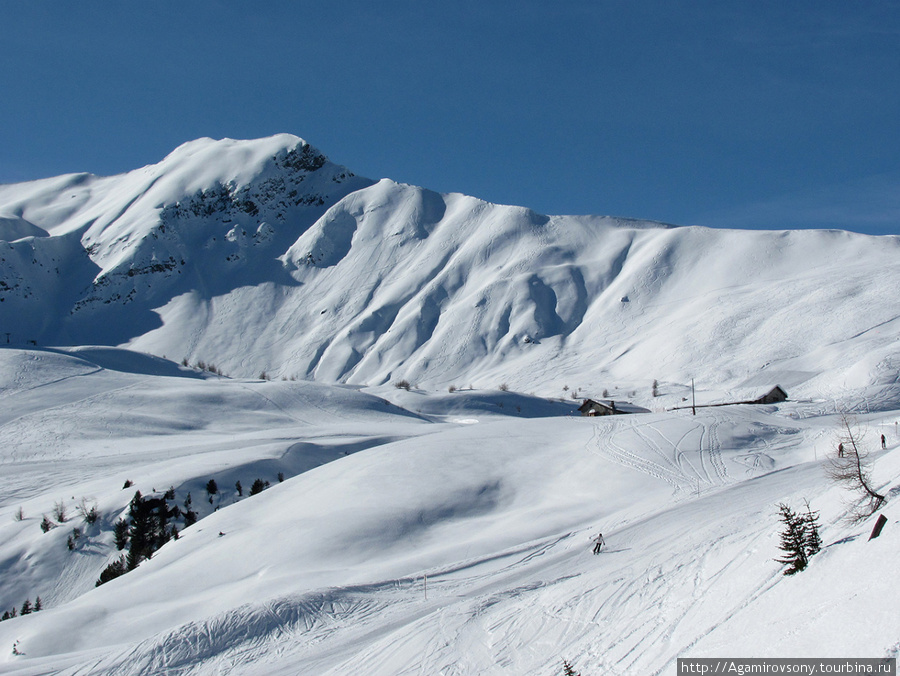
{"points": [[812, 543], [121, 534], [113, 570], [568, 669], [799, 539]]}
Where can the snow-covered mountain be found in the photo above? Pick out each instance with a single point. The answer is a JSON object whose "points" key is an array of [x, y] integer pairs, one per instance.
{"points": [[264, 256], [444, 528]]}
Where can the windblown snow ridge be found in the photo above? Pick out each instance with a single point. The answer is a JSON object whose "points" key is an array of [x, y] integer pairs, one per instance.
{"points": [[263, 256]]}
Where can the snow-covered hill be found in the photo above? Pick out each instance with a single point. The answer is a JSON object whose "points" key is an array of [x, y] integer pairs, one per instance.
{"points": [[492, 496], [443, 527], [263, 256]]}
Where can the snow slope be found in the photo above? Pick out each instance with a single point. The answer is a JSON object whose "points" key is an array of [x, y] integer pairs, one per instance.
{"points": [[263, 256], [495, 503], [443, 528]]}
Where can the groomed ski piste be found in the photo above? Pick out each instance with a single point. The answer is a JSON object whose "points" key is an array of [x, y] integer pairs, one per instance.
{"points": [[399, 371], [407, 541]]}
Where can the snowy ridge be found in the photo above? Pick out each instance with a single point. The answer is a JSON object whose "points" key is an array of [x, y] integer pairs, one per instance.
{"points": [[479, 475], [263, 256]]}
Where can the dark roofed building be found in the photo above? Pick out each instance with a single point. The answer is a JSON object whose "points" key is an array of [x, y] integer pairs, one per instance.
{"points": [[774, 396], [592, 407]]}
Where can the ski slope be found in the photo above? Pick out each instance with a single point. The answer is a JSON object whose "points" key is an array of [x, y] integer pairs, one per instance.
{"points": [[495, 500]]}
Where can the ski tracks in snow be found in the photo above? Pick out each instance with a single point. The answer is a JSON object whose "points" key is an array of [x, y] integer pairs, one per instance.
{"points": [[693, 457]]}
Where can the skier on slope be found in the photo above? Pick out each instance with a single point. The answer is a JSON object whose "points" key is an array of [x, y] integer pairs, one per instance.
{"points": [[598, 543]]}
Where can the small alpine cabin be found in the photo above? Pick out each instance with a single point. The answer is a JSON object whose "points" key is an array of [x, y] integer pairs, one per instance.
{"points": [[592, 407], [774, 396]]}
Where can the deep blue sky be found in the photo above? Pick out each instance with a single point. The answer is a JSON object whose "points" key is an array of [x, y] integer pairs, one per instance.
{"points": [[738, 113]]}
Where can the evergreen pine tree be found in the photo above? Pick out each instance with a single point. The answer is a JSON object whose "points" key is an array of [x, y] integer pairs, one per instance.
{"points": [[113, 570], [812, 542], [793, 540], [132, 559], [38, 604], [568, 669], [121, 534], [27, 607]]}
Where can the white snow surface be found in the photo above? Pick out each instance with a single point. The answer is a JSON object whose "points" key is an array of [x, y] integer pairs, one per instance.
{"points": [[444, 527], [264, 256]]}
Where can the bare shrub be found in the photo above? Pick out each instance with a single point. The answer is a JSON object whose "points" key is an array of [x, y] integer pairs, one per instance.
{"points": [[59, 511], [88, 512]]}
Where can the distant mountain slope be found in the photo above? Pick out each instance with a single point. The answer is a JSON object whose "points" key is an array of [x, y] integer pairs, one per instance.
{"points": [[264, 256]]}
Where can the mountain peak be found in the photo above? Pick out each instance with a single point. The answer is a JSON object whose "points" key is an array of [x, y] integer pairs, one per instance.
{"points": [[203, 162]]}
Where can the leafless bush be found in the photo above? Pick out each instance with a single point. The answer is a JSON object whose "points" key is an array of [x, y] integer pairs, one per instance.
{"points": [[89, 513], [59, 511]]}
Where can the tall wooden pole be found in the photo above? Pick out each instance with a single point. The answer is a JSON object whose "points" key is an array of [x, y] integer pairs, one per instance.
{"points": [[693, 400]]}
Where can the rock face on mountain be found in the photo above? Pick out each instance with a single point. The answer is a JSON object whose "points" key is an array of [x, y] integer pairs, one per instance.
{"points": [[264, 256]]}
